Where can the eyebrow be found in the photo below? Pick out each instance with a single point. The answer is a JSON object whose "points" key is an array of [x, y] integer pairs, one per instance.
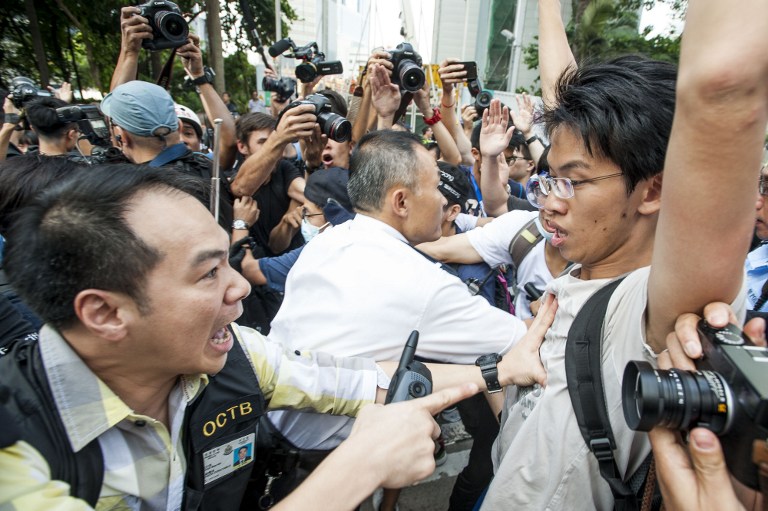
{"points": [[207, 255], [573, 165]]}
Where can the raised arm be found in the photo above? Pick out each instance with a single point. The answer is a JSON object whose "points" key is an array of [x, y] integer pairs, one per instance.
{"points": [[448, 150], [214, 106], [296, 122], [494, 138], [452, 249], [134, 29], [712, 164], [450, 73], [555, 55]]}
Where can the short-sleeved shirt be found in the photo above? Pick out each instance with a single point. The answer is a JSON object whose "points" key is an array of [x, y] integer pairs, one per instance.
{"points": [[273, 201], [492, 242], [540, 458]]}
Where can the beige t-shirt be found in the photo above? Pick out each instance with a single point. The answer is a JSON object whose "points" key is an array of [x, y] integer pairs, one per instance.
{"points": [[540, 458]]}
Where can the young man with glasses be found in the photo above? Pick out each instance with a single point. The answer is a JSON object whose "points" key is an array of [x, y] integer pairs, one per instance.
{"points": [[611, 130]]}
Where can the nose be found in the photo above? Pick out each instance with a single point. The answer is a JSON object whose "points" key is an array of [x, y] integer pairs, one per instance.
{"points": [[760, 202], [551, 203], [238, 289]]}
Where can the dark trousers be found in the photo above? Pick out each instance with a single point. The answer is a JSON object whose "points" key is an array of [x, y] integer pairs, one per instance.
{"points": [[479, 422]]}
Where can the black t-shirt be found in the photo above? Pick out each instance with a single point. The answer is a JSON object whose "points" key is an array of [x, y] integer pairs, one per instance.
{"points": [[273, 201]]}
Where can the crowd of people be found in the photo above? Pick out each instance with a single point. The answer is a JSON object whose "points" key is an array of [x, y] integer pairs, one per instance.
{"points": [[191, 325]]}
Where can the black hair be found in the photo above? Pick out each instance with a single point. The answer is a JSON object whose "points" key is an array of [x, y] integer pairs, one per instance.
{"points": [[381, 160], [255, 121], [518, 142], [74, 236], [432, 146], [41, 114], [23, 177], [622, 109]]}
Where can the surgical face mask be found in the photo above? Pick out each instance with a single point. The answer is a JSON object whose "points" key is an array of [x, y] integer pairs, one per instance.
{"points": [[309, 231], [547, 235]]}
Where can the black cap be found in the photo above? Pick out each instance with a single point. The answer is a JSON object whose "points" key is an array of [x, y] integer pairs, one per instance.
{"points": [[454, 184], [324, 184]]}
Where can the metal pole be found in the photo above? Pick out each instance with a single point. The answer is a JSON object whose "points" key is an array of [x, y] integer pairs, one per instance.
{"points": [[517, 45], [278, 33], [216, 177]]}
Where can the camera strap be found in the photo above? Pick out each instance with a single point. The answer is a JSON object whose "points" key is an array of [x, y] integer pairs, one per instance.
{"points": [[584, 374], [164, 80]]}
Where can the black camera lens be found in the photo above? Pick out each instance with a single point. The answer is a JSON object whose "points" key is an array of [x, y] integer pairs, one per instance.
{"points": [[172, 26], [306, 72], [411, 75], [675, 399], [336, 127]]}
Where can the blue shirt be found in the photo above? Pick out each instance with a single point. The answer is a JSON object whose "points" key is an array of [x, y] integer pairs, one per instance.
{"points": [[756, 266]]}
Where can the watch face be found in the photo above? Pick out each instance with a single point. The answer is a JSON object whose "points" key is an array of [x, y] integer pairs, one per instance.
{"points": [[491, 358], [239, 224]]}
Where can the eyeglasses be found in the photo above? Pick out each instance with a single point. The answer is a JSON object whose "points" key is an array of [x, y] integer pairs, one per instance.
{"points": [[539, 187], [513, 159], [306, 214]]}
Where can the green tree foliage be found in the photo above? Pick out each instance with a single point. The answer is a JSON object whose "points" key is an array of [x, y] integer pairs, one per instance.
{"points": [[602, 29], [81, 42]]}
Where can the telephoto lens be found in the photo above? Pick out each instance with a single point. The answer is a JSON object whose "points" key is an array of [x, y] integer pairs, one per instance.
{"points": [[335, 126], [675, 399]]}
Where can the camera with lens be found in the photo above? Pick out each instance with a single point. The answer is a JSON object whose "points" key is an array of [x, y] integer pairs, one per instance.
{"points": [[90, 121], [169, 28], [284, 88], [483, 97], [23, 90], [407, 71], [314, 64], [333, 125], [727, 394]]}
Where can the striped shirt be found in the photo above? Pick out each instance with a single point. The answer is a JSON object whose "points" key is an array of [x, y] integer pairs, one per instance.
{"points": [[144, 463]]}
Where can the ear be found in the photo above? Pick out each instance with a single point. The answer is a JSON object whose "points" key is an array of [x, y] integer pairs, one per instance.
{"points": [[453, 212], [397, 200], [651, 201], [242, 148], [104, 313], [477, 156]]}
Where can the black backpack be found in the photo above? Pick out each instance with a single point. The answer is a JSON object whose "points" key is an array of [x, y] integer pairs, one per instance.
{"points": [[583, 369]]}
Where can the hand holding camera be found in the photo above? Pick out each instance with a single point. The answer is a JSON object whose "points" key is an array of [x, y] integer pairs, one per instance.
{"points": [[725, 394], [314, 108]]}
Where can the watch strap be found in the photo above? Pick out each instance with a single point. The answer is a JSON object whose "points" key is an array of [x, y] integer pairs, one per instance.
{"points": [[490, 371], [532, 140]]}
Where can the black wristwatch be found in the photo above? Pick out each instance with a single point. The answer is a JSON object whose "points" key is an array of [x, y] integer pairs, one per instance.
{"points": [[487, 365], [207, 77], [533, 139]]}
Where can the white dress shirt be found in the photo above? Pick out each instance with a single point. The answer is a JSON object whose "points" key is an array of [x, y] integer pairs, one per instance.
{"points": [[360, 289]]}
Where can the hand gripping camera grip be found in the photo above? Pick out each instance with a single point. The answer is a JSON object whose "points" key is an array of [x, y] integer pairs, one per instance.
{"points": [[412, 379]]}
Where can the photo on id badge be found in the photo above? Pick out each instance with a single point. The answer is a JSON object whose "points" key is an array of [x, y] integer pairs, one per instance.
{"points": [[242, 455]]}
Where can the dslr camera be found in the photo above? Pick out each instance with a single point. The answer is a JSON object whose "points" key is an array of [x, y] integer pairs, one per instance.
{"points": [[90, 121], [407, 71], [727, 394], [314, 64], [333, 125], [169, 28], [23, 90], [284, 87]]}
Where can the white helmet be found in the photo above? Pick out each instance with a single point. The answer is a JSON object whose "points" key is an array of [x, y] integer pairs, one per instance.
{"points": [[186, 114]]}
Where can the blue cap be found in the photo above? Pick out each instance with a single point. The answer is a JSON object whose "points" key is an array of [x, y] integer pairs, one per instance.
{"points": [[141, 108]]}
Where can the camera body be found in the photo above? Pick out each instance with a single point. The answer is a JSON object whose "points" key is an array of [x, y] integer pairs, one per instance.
{"points": [[314, 64], [412, 379], [23, 90], [728, 394], [284, 87], [336, 127], [169, 28], [407, 72], [90, 121]]}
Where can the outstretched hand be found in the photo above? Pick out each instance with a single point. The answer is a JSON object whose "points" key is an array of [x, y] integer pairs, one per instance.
{"points": [[494, 134], [385, 95], [522, 364], [398, 439]]}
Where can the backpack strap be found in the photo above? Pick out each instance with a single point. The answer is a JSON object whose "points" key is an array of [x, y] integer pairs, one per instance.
{"points": [[583, 369], [523, 242]]}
